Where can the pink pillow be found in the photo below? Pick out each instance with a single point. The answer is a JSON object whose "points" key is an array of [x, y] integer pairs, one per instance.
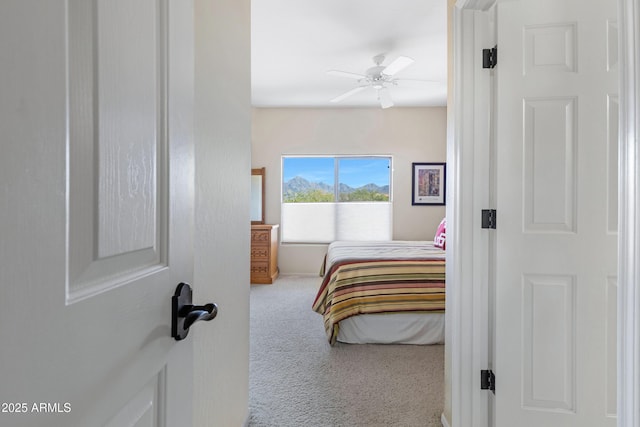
{"points": [[439, 241]]}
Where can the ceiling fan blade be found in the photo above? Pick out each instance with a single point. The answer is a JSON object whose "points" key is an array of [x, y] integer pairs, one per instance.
{"points": [[338, 73], [385, 98], [399, 64], [348, 94]]}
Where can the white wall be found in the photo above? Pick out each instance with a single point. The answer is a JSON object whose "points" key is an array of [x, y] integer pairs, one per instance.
{"points": [[408, 134], [222, 152]]}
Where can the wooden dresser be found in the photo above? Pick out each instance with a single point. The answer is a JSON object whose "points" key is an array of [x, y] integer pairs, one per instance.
{"points": [[264, 253]]}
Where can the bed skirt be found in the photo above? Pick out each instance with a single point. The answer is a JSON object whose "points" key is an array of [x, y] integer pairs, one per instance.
{"points": [[393, 328]]}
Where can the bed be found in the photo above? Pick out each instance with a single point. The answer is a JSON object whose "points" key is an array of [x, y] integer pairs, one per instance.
{"points": [[390, 292]]}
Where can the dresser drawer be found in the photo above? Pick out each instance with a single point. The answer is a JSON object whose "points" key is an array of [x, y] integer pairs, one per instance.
{"points": [[260, 253], [260, 237], [260, 269]]}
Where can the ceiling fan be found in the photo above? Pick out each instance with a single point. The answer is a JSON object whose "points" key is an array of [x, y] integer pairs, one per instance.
{"points": [[378, 77]]}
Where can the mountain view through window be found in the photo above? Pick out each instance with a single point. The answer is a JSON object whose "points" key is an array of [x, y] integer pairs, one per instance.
{"points": [[313, 179]]}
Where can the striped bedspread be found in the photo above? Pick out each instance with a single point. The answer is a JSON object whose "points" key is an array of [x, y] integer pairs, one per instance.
{"points": [[379, 277]]}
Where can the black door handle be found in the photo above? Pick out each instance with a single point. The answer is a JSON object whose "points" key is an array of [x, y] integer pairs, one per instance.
{"points": [[184, 314], [199, 312]]}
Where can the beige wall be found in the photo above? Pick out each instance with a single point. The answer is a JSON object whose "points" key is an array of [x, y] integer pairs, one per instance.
{"points": [[407, 134], [223, 157]]}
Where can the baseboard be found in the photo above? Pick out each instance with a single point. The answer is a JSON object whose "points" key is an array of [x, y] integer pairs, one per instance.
{"points": [[303, 274], [444, 421]]}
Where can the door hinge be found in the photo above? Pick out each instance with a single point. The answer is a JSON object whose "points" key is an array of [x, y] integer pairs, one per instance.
{"points": [[488, 380], [490, 57], [489, 218]]}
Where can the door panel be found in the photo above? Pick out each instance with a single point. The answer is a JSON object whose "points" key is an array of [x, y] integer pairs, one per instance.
{"points": [[549, 164], [118, 143], [144, 409], [548, 346], [96, 219], [555, 190]]}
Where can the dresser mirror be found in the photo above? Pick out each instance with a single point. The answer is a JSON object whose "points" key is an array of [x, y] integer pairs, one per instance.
{"points": [[257, 196]]}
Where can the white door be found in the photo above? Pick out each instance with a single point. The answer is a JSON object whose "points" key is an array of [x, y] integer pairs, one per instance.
{"points": [[555, 355], [96, 188]]}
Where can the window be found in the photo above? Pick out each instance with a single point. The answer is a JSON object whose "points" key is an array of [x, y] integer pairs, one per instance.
{"points": [[327, 198]]}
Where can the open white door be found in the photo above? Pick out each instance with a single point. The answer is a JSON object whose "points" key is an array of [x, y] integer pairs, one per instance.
{"points": [[96, 187], [556, 263]]}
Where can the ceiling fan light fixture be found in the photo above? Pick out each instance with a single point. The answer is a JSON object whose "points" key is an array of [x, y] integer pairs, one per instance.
{"points": [[385, 98]]}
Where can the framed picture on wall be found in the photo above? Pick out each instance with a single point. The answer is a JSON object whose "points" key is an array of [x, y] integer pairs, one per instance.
{"points": [[428, 184]]}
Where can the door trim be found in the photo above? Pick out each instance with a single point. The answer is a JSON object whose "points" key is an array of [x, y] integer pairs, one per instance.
{"points": [[467, 260], [628, 410], [462, 308]]}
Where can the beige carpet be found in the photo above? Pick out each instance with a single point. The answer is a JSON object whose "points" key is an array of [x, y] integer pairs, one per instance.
{"points": [[297, 379]]}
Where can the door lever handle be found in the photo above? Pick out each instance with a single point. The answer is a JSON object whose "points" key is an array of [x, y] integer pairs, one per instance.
{"points": [[199, 312], [184, 314]]}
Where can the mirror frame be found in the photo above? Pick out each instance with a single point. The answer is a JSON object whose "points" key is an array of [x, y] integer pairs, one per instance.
{"points": [[260, 172]]}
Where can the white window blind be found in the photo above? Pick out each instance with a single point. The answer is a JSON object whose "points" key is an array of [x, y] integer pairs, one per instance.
{"points": [[326, 222]]}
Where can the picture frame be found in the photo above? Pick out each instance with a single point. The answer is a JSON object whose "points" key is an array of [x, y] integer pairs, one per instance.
{"points": [[428, 184]]}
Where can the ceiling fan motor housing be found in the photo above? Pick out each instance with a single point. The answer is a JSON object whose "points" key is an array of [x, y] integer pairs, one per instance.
{"points": [[375, 77]]}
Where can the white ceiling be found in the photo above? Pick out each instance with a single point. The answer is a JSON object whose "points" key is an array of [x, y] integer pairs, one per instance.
{"points": [[295, 42]]}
